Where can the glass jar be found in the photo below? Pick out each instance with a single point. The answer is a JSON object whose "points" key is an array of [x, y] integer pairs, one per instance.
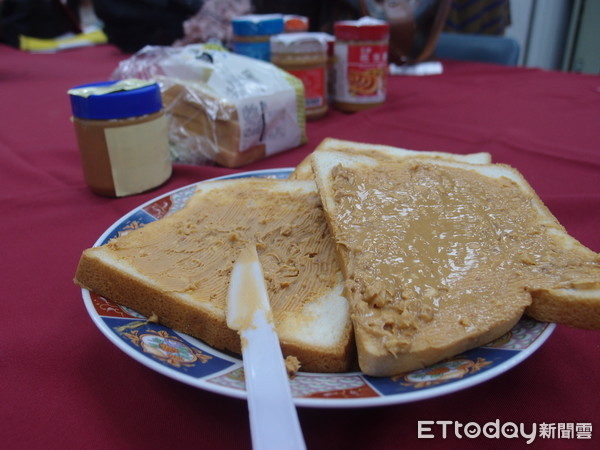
{"points": [[304, 55], [361, 63], [252, 34]]}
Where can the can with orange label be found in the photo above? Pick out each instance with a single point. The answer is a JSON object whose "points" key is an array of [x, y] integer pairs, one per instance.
{"points": [[361, 63]]}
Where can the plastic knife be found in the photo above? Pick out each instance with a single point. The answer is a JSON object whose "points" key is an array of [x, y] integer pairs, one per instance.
{"points": [[274, 420]]}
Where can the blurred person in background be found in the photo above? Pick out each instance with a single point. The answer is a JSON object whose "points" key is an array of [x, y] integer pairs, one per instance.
{"points": [[132, 24], [43, 19]]}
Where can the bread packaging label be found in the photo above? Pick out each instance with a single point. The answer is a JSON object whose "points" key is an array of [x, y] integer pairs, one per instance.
{"points": [[222, 107]]}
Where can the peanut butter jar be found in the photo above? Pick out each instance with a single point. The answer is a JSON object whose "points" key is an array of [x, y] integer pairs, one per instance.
{"points": [[361, 60], [122, 135], [304, 55]]}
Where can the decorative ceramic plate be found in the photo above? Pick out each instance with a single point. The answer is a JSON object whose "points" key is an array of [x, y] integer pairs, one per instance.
{"points": [[191, 361]]}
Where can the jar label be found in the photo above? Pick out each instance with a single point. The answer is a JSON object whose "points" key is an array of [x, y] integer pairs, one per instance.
{"points": [[139, 156], [315, 84], [361, 73], [257, 50]]}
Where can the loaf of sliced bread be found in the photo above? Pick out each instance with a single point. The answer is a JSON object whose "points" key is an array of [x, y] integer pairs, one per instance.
{"points": [[178, 268], [443, 256], [303, 171]]}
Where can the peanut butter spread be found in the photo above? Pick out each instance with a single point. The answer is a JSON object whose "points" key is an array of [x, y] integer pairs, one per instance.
{"points": [[193, 250], [436, 255]]}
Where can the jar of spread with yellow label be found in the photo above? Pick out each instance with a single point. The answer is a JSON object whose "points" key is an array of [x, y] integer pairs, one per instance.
{"points": [[122, 135], [361, 63], [304, 55]]}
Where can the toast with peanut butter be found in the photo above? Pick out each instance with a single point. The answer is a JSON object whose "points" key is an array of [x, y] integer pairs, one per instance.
{"points": [[442, 256], [303, 171], [178, 268]]}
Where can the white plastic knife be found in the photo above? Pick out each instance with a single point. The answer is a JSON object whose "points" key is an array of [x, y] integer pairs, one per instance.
{"points": [[274, 420]]}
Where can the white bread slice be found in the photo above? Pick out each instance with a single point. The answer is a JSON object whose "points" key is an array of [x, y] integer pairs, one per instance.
{"points": [[303, 171], [440, 257], [178, 268]]}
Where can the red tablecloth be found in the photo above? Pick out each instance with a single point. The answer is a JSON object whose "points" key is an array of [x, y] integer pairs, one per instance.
{"points": [[64, 385]]}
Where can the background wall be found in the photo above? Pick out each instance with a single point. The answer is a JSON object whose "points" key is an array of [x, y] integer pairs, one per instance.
{"points": [[541, 29], [557, 34]]}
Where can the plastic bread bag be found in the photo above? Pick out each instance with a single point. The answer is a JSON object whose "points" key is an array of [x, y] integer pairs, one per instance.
{"points": [[222, 107]]}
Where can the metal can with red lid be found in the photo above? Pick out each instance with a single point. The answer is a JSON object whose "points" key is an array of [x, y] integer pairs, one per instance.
{"points": [[361, 63]]}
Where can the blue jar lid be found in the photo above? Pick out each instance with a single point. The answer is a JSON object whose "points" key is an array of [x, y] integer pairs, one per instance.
{"points": [[116, 105], [258, 24]]}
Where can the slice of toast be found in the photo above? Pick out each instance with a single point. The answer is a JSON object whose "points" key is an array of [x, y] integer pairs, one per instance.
{"points": [[178, 268], [442, 256], [303, 171]]}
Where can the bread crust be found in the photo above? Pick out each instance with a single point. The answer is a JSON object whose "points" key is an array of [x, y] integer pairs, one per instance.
{"points": [[303, 171], [95, 274], [578, 306], [102, 271]]}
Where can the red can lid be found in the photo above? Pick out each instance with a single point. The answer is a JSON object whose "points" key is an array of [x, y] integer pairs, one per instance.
{"points": [[363, 29]]}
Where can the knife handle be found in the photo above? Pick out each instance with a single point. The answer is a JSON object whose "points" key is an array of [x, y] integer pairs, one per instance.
{"points": [[274, 423]]}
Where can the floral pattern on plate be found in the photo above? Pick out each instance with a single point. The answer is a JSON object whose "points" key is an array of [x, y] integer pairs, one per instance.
{"points": [[338, 386], [166, 347], [521, 336]]}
